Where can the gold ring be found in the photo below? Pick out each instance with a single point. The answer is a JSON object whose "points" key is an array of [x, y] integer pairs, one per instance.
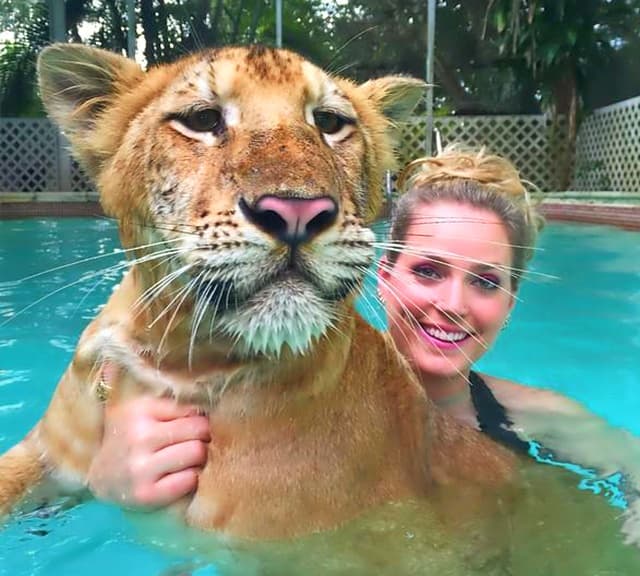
{"points": [[103, 390]]}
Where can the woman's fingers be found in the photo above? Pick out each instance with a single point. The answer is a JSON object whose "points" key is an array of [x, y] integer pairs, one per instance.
{"points": [[177, 457], [167, 489], [166, 434], [150, 424], [164, 476], [151, 452], [164, 409]]}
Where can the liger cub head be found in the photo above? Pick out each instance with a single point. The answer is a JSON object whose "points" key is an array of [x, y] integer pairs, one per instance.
{"points": [[245, 175]]}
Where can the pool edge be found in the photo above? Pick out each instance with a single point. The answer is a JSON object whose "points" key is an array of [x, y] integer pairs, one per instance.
{"points": [[18, 210], [625, 216]]}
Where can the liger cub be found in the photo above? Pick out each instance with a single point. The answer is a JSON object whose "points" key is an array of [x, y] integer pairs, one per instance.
{"points": [[242, 180]]}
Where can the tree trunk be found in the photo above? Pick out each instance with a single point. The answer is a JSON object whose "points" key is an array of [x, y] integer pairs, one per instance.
{"points": [[215, 24], [235, 28], [446, 79], [118, 26], [165, 43], [566, 103], [255, 20], [150, 31]]}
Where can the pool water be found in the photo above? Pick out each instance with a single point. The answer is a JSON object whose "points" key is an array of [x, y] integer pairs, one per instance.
{"points": [[578, 334]]}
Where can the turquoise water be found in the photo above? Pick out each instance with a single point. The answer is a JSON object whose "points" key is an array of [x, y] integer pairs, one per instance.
{"points": [[578, 334]]}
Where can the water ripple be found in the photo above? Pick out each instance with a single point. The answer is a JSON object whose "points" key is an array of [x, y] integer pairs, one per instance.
{"points": [[13, 377], [6, 408], [63, 344]]}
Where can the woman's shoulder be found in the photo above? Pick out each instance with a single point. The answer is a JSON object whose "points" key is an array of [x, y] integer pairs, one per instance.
{"points": [[517, 396]]}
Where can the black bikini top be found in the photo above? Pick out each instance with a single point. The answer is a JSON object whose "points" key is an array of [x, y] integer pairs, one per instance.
{"points": [[495, 423], [492, 416]]}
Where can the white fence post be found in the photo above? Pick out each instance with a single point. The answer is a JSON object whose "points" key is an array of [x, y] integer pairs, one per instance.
{"points": [[64, 164]]}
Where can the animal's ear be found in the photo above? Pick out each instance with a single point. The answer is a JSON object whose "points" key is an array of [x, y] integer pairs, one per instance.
{"points": [[77, 85], [396, 96], [78, 82]]}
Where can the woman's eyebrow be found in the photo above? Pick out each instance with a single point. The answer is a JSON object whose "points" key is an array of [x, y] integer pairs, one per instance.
{"points": [[490, 267], [434, 258], [476, 264]]}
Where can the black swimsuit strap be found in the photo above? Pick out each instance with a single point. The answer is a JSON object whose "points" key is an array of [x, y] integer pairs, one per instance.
{"points": [[495, 423], [492, 416]]}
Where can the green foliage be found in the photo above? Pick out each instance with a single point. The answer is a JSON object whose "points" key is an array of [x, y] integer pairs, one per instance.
{"points": [[18, 95], [375, 37], [172, 28], [557, 38]]}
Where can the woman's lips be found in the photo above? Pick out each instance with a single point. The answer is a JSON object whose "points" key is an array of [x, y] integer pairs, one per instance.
{"points": [[444, 338]]}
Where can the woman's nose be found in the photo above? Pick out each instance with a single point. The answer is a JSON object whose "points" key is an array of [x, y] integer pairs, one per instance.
{"points": [[453, 298]]}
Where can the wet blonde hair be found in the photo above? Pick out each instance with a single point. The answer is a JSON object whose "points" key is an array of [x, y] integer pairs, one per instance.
{"points": [[475, 178]]}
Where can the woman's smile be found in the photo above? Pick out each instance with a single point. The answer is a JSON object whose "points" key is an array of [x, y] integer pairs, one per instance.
{"points": [[444, 338]]}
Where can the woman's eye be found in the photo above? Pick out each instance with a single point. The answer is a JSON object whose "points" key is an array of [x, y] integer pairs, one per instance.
{"points": [[205, 120], [330, 122], [487, 282], [428, 272]]}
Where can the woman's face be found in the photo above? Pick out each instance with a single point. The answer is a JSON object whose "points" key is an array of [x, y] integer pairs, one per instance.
{"points": [[449, 291]]}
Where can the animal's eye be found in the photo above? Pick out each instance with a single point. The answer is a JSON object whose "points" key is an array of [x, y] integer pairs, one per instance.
{"points": [[203, 120], [330, 122]]}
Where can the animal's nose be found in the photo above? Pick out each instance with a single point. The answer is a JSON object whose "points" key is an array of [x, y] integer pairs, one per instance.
{"points": [[291, 220]]}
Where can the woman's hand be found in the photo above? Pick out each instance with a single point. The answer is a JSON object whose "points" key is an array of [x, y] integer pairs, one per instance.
{"points": [[151, 452]]}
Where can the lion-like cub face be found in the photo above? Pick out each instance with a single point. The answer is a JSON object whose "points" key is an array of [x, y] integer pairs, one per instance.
{"points": [[250, 171]]}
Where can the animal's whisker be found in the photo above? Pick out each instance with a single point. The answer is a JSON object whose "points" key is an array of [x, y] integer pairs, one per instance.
{"points": [[329, 66], [463, 324], [147, 297], [116, 252], [477, 241], [411, 319], [90, 291], [336, 317], [214, 315], [364, 296], [454, 267], [420, 219], [415, 249], [84, 278], [146, 258], [199, 312], [165, 258], [184, 292], [165, 226]]}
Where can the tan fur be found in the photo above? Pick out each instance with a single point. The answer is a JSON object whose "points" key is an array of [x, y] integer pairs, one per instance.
{"points": [[303, 439]]}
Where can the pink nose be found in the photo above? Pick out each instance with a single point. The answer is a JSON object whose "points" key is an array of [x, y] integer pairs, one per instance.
{"points": [[292, 220]]}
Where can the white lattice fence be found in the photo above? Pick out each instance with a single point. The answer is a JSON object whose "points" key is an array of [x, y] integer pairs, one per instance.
{"points": [[79, 181], [28, 155], [33, 158], [530, 142], [608, 149]]}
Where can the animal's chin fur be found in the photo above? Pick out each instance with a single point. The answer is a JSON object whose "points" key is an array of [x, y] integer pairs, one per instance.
{"points": [[288, 313]]}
